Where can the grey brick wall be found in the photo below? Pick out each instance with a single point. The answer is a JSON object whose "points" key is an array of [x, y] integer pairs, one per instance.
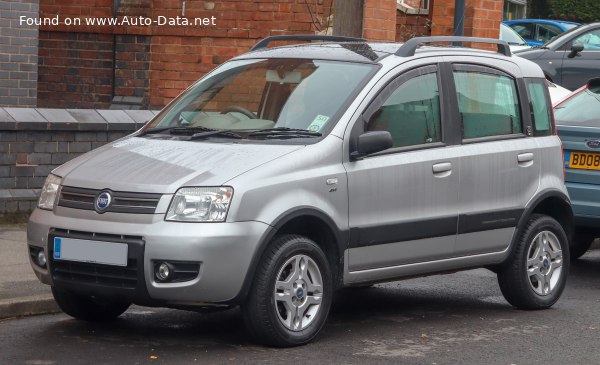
{"points": [[18, 53], [35, 141]]}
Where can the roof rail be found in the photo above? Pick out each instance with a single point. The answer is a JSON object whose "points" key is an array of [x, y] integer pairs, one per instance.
{"points": [[304, 37], [409, 47]]}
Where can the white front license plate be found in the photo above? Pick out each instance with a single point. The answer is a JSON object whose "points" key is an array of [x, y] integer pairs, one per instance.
{"points": [[98, 252]]}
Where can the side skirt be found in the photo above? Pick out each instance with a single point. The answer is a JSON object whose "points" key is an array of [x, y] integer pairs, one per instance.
{"points": [[393, 273]]}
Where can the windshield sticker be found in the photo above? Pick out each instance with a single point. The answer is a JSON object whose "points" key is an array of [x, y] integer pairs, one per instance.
{"points": [[318, 123]]}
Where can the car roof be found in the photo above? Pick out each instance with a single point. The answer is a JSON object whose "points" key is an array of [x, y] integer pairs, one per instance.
{"points": [[374, 53], [541, 21]]}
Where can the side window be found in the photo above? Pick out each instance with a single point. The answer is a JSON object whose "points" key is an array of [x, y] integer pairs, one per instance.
{"points": [[539, 106], [487, 102], [547, 31], [590, 40], [525, 30], [411, 113]]}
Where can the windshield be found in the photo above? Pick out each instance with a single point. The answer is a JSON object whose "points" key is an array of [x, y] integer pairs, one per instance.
{"points": [[582, 109], [255, 95], [510, 36], [569, 25]]}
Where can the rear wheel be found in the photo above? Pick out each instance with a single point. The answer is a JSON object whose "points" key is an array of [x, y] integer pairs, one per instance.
{"points": [[536, 276], [291, 295], [88, 308]]}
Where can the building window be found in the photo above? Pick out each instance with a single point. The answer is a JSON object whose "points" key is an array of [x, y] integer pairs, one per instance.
{"points": [[414, 6], [515, 9]]}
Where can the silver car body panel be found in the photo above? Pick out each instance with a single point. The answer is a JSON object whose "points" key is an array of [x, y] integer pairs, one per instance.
{"points": [[224, 250]]}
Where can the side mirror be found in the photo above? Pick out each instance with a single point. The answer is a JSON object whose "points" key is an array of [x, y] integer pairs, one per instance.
{"points": [[575, 49], [372, 142]]}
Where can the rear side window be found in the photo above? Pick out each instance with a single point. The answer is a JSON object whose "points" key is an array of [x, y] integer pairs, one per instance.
{"points": [[539, 107], [487, 102], [411, 113]]}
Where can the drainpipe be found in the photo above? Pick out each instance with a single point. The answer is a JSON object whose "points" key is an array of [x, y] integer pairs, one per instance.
{"points": [[459, 19], [116, 6]]}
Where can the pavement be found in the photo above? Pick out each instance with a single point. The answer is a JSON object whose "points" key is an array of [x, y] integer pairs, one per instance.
{"points": [[21, 293]]}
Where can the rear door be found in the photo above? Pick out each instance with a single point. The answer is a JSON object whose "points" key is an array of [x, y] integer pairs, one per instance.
{"points": [[500, 165]]}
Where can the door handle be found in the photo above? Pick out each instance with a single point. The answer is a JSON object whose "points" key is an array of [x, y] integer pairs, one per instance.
{"points": [[442, 169], [525, 159]]}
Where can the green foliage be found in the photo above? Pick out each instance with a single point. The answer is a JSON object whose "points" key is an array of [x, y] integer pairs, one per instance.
{"points": [[583, 11]]}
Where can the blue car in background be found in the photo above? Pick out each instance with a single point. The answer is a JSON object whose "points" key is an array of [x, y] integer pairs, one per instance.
{"points": [[539, 31], [578, 125]]}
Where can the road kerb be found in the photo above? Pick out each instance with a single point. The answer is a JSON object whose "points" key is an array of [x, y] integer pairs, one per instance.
{"points": [[28, 306]]}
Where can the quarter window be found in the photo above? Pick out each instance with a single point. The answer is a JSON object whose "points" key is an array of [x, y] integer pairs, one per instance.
{"points": [[540, 111], [487, 103], [411, 113]]}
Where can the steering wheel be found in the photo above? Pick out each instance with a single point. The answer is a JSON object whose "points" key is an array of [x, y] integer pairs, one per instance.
{"points": [[239, 109]]}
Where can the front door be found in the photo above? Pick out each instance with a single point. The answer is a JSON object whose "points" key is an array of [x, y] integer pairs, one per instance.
{"points": [[578, 70], [403, 201]]}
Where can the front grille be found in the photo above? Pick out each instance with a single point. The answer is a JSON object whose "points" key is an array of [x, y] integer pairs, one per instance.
{"points": [[123, 202], [98, 274]]}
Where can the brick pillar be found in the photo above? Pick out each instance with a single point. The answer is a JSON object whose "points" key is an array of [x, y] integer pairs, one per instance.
{"points": [[482, 18], [18, 53], [442, 18], [379, 20]]}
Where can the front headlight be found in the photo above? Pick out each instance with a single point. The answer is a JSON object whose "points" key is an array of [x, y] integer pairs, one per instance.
{"points": [[200, 204], [49, 192]]}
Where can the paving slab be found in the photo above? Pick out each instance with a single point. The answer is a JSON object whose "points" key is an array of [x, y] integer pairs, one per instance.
{"points": [[21, 293]]}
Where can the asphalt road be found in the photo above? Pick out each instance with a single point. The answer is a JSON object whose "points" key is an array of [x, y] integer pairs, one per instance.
{"points": [[451, 319]]}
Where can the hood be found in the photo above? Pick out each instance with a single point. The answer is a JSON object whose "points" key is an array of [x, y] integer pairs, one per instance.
{"points": [[531, 53], [163, 166]]}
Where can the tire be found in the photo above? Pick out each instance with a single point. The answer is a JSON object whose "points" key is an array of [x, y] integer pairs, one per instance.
{"points": [[87, 308], [536, 274], [275, 322], [581, 244]]}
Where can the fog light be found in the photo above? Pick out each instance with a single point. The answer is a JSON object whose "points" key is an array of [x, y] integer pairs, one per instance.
{"points": [[163, 272], [41, 258]]}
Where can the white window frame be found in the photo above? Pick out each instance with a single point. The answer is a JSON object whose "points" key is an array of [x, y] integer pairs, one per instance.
{"points": [[423, 10]]}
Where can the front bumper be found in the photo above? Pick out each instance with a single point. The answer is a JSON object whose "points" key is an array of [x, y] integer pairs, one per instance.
{"points": [[224, 252]]}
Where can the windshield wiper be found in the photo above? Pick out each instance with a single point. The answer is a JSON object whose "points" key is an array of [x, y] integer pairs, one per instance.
{"points": [[284, 132], [176, 130], [223, 132], [154, 130]]}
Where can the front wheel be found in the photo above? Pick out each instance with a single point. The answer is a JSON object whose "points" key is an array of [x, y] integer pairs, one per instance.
{"points": [[291, 295], [88, 308], [537, 274]]}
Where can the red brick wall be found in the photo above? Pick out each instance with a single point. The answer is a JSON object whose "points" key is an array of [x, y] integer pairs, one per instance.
{"points": [[482, 18], [177, 55], [75, 70], [379, 20], [157, 62], [411, 25]]}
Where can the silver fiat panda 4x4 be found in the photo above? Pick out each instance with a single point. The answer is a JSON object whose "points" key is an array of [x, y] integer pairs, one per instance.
{"points": [[289, 172]]}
